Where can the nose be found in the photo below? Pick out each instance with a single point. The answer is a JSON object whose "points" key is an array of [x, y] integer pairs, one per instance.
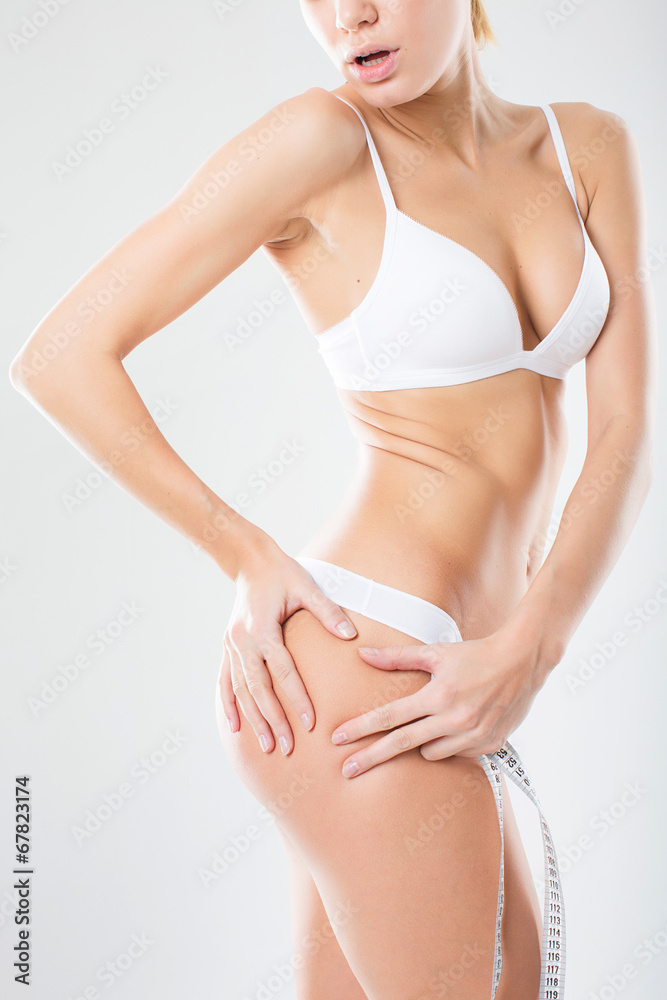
{"points": [[354, 14]]}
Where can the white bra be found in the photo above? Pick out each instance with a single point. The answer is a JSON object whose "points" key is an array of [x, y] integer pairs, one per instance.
{"points": [[437, 314]]}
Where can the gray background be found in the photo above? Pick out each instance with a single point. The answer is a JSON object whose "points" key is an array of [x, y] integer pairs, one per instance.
{"points": [[71, 562]]}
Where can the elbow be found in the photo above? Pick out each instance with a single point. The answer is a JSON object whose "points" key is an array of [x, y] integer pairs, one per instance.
{"points": [[32, 382], [24, 377], [19, 374], [32, 374]]}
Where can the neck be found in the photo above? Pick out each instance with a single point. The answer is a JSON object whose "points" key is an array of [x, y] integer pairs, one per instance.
{"points": [[456, 114]]}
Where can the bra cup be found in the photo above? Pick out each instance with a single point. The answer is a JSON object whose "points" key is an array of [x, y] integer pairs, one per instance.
{"points": [[452, 309], [577, 334], [437, 314]]}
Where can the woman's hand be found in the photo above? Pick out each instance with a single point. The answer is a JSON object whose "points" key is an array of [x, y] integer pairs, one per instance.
{"points": [[256, 666], [480, 690]]}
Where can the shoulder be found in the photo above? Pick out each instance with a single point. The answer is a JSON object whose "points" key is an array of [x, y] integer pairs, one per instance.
{"points": [[594, 137], [320, 147], [600, 146], [325, 133]]}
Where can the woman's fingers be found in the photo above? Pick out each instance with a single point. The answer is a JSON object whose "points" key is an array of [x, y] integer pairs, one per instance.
{"points": [[388, 716], [447, 746], [259, 701], [411, 657], [395, 742], [393, 713], [227, 692], [259, 725], [284, 673], [328, 613]]}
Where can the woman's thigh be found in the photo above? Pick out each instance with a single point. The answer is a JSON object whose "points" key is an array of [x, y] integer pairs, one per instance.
{"points": [[321, 970], [409, 851]]}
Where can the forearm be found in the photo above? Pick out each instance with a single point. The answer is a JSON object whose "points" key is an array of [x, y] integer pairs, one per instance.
{"points": [[94, 403], [595, 524]]}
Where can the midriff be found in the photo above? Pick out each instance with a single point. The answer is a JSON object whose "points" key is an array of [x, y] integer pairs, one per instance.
{"points": [[453, 492]]}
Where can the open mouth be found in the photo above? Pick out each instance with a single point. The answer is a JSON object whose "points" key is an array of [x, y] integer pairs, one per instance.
{"points": [[373, 58]]}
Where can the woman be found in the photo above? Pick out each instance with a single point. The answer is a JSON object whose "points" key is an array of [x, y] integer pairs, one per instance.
{"points": [[449, 321]]}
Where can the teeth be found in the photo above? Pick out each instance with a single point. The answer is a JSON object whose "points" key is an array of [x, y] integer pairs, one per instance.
{"points": [[368, 61]]}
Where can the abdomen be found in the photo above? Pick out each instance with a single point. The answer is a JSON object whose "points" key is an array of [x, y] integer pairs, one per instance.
{"points": [[453, 492]]}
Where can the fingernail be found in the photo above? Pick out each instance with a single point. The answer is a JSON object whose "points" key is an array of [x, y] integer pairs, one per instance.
{"points": [[368, 649], [350, 768], [264, 742], [231, 726], [284, 745], [346, 629], [338, 738], [305, 718]]}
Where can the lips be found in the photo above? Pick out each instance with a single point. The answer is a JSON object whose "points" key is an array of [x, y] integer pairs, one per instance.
{"points": [[358, 55], [372, 57], [370, 65]]}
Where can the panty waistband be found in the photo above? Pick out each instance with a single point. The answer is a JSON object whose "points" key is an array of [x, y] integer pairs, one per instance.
{"points": [[396, 608]]}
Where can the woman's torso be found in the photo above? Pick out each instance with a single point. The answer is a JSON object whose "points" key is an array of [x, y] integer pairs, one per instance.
{"points": [[454, 487]]}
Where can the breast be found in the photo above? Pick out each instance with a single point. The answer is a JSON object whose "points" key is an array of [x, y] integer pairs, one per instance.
{"points": [[438, 315], [429, 307]]}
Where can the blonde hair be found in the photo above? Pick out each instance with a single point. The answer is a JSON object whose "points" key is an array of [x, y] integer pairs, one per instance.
{"points": [[480, 24]]}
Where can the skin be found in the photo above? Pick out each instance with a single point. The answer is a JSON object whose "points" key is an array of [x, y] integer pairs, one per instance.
{"points": [[518, 620], [476, 548]]}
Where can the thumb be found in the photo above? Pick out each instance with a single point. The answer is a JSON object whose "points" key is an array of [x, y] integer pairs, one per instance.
{"points": [[416, 657], [330, 615]]}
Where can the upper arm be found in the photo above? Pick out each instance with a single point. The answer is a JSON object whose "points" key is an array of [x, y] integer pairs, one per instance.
{"points": [[621, 367], [241, 197]]}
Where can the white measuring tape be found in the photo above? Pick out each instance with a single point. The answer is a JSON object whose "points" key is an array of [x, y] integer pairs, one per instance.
{"points": [[552, 976]]}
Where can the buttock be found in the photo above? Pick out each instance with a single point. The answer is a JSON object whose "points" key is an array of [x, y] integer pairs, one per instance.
{"points": [[428, 623], [343, 686]]}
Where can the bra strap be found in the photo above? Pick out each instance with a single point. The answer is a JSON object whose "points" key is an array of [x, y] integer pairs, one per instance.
{"points": [[377, 163], [561, 152]]}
